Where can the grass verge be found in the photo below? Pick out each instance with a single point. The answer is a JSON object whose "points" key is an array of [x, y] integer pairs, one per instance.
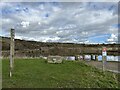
{"points": [[35, 73]]}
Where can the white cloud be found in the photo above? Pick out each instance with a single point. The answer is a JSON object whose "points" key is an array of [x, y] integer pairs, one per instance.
{"points": [[84, 33], [41, 7], [113, 39], [56, 9], [25, 24], [66, 22]]}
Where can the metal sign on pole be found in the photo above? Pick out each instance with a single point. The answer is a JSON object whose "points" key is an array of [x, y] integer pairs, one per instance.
{"points": [[104, 55], [12, 32]]}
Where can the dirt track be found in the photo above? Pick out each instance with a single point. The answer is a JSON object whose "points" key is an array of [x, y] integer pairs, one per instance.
{"points": [[111, 66]]}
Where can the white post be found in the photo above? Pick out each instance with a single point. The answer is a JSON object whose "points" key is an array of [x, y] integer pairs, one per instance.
{"points": [[12, 51]]}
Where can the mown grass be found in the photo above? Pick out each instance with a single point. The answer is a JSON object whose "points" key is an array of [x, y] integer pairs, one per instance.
{"points": [[35, 73]]}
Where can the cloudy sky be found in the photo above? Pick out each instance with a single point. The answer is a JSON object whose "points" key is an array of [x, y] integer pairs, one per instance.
{"points": [[69, 22]]}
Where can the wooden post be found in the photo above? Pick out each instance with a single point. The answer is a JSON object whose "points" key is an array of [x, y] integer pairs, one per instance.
{"points": [[12, 32], [103, 62], [104, 53]]}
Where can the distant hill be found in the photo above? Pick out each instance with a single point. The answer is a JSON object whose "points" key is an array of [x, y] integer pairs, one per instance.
{"points": [[50, 48]]}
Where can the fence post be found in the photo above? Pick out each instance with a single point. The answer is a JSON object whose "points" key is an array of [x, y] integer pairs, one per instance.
{"points": [[12, 32], [104, 54]]}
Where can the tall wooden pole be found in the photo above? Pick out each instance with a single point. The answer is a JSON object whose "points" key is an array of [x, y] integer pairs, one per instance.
{"points": [[12, 32]]}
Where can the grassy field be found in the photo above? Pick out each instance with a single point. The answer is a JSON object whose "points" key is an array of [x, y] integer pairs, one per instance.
{"points": [[35, 73]]}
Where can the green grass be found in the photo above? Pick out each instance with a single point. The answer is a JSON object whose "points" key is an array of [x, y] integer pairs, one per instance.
{"points": [[35, 73]]}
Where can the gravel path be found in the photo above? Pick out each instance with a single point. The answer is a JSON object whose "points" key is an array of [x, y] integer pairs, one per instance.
{"points": [[110, 66]]}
